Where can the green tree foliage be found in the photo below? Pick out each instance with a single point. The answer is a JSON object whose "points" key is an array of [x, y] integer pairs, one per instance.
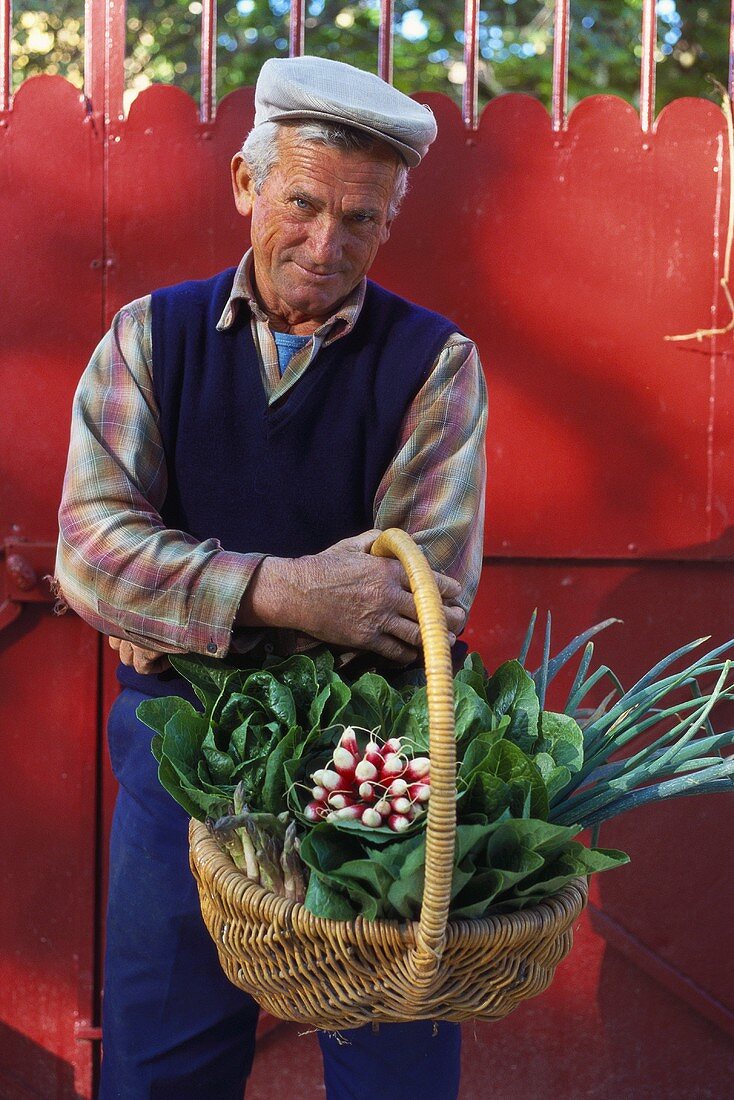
{"points": [[515, 43]]}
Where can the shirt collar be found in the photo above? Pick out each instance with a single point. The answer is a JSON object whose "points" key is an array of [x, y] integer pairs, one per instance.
{"points": [[339, 324]]}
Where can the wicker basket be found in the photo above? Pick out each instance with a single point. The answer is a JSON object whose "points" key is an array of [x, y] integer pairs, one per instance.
{"points": [[342, 974]]}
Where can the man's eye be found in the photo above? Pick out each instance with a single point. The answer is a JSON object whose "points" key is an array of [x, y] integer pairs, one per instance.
{"points": [[302, 204], [362, 219]]}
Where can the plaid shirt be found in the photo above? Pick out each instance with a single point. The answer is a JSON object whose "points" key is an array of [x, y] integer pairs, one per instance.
{"points": [[128, 575]]}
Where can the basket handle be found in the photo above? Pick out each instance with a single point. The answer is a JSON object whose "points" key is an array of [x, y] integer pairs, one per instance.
{"points": [[425, 957]]}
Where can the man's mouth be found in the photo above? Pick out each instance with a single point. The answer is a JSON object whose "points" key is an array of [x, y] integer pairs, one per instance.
{"points": [[316, 274]]}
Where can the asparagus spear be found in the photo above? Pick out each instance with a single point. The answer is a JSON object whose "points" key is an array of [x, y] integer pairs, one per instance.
{"points": [[292, 866], [232, 834]]}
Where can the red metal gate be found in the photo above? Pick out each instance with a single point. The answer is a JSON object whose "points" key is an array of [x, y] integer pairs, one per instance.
{"points": [[569, 247]]}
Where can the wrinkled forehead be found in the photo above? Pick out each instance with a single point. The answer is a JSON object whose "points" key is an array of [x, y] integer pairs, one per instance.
{"points": [[326, 168]]}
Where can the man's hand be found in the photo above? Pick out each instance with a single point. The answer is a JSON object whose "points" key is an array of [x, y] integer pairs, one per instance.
{"points": [[145, 661], [346, 597]]}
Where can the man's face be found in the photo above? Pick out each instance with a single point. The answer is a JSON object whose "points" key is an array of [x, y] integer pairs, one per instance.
{"points": [[316, 225]]}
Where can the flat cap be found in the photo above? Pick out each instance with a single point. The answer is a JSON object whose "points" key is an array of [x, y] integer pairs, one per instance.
{"points": [[316, 88]]}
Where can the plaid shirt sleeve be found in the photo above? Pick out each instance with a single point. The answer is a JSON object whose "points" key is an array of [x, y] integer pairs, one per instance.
{"points": [[117, 564], [128, 575], [435, 486]]}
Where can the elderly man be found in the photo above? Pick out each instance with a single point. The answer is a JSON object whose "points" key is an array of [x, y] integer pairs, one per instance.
{"points": [[236, 446]]}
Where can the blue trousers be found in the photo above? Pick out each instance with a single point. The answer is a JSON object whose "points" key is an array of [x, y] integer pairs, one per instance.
{"points": [[173, 1027]]}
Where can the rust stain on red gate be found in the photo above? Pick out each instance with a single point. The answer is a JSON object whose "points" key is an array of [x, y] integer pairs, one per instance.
{"points": [[568, 247]]}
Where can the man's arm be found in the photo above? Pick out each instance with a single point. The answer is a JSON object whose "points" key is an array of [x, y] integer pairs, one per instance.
{"points": [[347, 597], [435, 486], [118, 565], [129, 576]]}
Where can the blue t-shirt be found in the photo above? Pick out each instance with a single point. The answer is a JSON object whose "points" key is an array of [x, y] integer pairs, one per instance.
{"points": [[287, 345]]}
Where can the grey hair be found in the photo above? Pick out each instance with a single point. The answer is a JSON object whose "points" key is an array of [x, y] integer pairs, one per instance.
{"points": [[260, 151]]}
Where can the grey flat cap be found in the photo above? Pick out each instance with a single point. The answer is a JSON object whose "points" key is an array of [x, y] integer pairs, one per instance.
{"points": [[315, 88]]}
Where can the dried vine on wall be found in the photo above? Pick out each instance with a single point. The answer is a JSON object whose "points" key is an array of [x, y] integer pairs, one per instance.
{"points": [[700, 333]]}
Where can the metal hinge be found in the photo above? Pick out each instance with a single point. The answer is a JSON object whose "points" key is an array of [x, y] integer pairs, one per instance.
{"points": [[28, 563], [85, 1032]]}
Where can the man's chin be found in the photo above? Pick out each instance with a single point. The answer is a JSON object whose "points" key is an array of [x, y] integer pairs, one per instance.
{"points": [[314, 304]]}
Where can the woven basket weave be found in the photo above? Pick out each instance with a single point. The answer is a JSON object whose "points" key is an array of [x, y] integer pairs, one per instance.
{"points": [[341, 974]]}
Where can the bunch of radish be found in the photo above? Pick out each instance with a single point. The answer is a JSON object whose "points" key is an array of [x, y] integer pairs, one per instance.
{"points": [[380, 786]]}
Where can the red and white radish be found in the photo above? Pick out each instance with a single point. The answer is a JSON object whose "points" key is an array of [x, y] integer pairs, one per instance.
{"points": [[401, 805], [380, 786], [331, 780], [315, 811], [419, 792], [397, 788], [373, 754], [365, 771], [394, 765], [338, 801], [348, 741], [371, 818], [418, 767], [346, 813]]}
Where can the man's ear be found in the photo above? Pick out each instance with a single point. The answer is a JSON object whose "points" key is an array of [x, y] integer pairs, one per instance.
{"points": [[243, 186], [385, 231]]}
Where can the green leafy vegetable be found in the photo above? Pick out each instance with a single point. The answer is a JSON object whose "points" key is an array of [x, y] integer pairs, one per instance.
{"points": [[529, 780]]}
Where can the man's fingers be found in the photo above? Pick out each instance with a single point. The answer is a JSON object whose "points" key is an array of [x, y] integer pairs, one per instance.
{"points": [[405, 605], [347, 597], [146, 666], [123, 646], [361, 543], [455, 615], [148, 661], [447, 586], [394, 650], [455, 618], [407, 630], [145, 661], [404, 630]]}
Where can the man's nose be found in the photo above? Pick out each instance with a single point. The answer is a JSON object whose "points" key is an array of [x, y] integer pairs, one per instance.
{"points": [[325, 241]]}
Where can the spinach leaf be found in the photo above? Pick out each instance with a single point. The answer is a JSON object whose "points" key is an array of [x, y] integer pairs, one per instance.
{"points": [[511, 691], [374, 704], [474, 674], [555, 778], [274, 697], [325, 899], [328, 706], [208, 676], [221, 765], [156, 712], [504, 778], [299, 675], [561, 737], [574, 861], [179, 754], [472, 717], [275, 784]]}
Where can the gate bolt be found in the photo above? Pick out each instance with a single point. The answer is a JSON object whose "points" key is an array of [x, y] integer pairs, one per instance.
{"points": [[22, 572]]}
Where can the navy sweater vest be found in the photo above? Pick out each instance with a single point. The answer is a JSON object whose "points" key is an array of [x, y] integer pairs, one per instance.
{"points": [[293, 477]]}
